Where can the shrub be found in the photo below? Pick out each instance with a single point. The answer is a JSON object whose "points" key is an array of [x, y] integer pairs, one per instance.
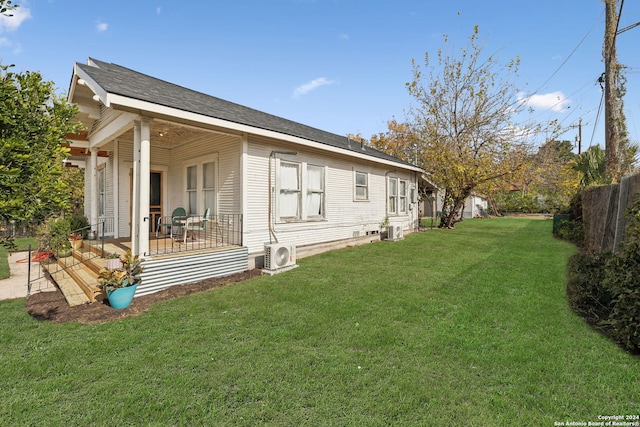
{"points": [[571, 231], [78, 221], [622, 277], [587, 294]]}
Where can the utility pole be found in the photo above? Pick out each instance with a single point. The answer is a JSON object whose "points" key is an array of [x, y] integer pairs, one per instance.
{"points": [[580, 136], [611, 107]]}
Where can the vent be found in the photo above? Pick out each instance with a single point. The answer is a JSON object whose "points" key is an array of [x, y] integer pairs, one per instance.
{"points": [[279, 255]]}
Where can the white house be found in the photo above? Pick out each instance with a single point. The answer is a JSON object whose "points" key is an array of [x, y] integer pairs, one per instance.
{"points": [[151, 146]]}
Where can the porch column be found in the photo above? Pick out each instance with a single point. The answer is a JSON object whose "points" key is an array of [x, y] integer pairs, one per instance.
{"points": [[116, 189], [145, 170], [93, 172], [135, 194]]}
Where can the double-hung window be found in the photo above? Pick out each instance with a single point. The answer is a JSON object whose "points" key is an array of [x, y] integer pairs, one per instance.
{"points": [[201, 191], [397, 190], [402, 196], [361, 186], [102, 191], [301, 191], [192, 190], [315, 192]]}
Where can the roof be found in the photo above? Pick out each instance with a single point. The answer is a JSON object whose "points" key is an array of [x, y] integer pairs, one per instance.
{"points": [[125, 82]]}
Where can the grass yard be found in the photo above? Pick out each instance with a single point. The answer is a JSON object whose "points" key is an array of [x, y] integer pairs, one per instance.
{"points": [[467, 327], [23, 244]]}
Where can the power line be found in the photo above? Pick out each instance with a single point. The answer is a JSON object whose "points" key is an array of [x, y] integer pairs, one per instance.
{"points": [[570, 55], [595, 126]]}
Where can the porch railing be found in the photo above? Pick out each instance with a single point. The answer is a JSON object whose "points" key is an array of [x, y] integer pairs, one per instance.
{"points": [[54, 260], [184, 234]]}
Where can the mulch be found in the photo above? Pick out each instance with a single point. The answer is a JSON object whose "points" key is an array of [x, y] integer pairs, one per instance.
{"points": [[51, 306]]}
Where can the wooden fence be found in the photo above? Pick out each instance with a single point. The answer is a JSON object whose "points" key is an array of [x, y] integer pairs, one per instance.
{"points": [[603, 212]]}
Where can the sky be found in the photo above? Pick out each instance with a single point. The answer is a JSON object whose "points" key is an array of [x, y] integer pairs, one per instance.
{"points": [[337, 65]]}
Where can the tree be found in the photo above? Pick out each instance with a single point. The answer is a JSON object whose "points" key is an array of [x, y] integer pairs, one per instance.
{"points": [[591, 166], [34, 122], [462, 124]]}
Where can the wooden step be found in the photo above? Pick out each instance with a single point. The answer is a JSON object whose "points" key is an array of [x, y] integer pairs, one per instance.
{"points": [[77, 274], [69, 288]]}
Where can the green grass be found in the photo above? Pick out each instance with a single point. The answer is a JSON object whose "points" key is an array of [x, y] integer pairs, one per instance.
{"points": [[22, 244], [468, 327]]}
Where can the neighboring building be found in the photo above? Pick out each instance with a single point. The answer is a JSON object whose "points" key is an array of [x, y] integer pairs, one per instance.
{"points": [[154, 146]]}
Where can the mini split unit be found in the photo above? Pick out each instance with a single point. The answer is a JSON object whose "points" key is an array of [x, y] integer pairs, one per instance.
{"points": [[279, 256]]}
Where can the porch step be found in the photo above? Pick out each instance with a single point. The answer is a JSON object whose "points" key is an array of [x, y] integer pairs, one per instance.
{"points": [[77, 276], [70, 289]]}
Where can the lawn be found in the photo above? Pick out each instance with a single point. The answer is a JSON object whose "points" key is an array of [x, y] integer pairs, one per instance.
{"points": [[468, 327], [23, 244]]}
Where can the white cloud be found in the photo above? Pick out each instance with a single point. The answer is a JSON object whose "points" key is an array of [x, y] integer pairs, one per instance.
{"points": [[554, 101], [158, 10], [11, 23], [313, 84], [344, 36], [102, 27]]}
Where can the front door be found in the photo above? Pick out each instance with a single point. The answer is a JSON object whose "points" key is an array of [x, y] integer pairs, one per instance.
{"points": [[155, 198]]}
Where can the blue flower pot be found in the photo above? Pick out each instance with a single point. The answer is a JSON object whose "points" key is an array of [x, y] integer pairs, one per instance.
{"points": [[121, 298]]}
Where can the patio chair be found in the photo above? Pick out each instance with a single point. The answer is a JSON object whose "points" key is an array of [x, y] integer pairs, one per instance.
{"points": [[178, 216], [197, 224]]}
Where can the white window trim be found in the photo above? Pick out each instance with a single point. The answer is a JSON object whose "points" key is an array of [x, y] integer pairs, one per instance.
{"points": [[304, 216], [355, 186], [102, 189], [398, 196], [198, 163]]}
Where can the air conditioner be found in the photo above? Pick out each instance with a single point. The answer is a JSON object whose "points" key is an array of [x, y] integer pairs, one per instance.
{"points": [[394, 232], [279, 255]]}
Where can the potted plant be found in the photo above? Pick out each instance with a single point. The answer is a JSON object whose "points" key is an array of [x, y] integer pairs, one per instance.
{"points": [[113, 261], [121, 283], [75, 239]]}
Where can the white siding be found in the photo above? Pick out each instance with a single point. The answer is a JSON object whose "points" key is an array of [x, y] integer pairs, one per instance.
{"points": [[345, 217]]}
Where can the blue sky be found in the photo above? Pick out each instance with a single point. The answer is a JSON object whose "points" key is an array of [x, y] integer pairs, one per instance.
{"points": [[338, 65]]}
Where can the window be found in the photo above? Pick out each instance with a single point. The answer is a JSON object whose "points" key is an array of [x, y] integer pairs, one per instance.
{"points": [[398, 191], [201, 191], [393, 195], [102, 192], [315, 191], [402, 195], [289, 202], [361, 186], [192, 190], [294, 203], [209, 186]]}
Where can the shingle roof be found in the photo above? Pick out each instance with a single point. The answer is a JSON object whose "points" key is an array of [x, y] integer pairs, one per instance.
{"points": [[123, 81]]}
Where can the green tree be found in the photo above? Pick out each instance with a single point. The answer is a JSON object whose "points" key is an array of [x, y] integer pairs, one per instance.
{"points": [[34, 122], [463, 123], [591, 167]]}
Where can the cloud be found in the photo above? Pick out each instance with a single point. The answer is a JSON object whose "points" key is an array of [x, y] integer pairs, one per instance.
{"points": [[101, 27], [344, 36], [313, 84], [554, 101], [158, 10], [11, 23]]}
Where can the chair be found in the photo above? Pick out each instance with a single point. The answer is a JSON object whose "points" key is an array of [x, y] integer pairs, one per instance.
{"points": [[177, 219], [197, 223]]}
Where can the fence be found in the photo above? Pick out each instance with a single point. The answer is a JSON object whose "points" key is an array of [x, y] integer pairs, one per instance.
{"points": [[603, 213], [18, 229]]}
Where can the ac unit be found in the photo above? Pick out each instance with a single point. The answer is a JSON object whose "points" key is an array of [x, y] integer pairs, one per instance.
{"points": [[279, 255], [395, 232]]}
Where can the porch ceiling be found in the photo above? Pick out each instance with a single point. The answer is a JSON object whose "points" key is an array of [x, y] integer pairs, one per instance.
{"points": [[169, 135]]}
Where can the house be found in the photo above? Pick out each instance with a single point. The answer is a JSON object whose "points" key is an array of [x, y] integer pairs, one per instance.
{"points": [[151, 146]]}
